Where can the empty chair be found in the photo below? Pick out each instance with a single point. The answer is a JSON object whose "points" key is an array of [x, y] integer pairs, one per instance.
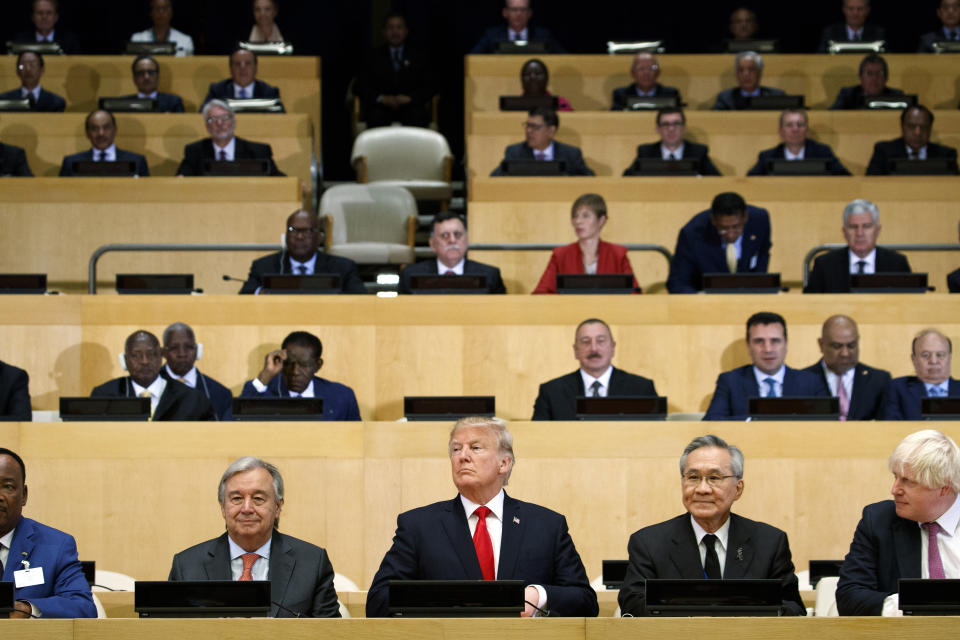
{"points": [[113, 581], [369, 223], [417, 159], [826, 604]]}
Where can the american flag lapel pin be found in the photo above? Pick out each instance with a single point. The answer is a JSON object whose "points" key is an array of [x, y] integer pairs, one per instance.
{"points": [[740, 554], [516, 520]]}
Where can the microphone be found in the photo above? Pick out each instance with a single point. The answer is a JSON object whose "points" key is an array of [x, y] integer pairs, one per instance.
{"points": [[296, 614], [227, 278]]}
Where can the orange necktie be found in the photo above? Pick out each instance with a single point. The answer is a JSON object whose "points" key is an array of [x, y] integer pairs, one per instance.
{"points": [[248, 560]]}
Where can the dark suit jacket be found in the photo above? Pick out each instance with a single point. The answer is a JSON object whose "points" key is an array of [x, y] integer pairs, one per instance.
{"points": [[48, 102], [735, 388], [300, 573], [670, 550], [699, 250], [691, 151], [339, 401], [166, 102], [178, 402], [64, 592], [14, 394], [812, 151], [869, 385], [219, 396], [831, 271], [13, 161], [731, 99], [557, 399], [885, 151], [852, 97], [838, 33], [493, 35], [223, 90], [414, 79], [953, 281], [904, 397], [67, 40], [927, 40], [346, 268], [885, 548], [620, 95], [470, 268], [196, 152], [433, 543], [66, 167], [611, 258], [571, 156]]}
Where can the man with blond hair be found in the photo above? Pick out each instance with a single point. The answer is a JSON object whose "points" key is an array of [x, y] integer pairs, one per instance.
{"points": [[484, 534], [915, 535], [930, 354]]}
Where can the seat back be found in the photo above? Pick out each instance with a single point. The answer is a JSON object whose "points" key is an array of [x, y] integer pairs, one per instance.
{"points": [[826, 603], [113, 581], [368, 213], [402, 153]]}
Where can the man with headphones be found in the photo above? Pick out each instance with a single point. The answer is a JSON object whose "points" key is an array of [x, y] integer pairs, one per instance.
{"points": [[181, 351]]}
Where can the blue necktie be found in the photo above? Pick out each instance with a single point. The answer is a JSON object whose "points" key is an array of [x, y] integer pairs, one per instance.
{"points": [[936, 392], [771, 388]]}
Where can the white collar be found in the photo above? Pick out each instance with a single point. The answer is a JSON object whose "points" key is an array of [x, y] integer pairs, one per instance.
{"points": [[950, 519], [457, 268], [723, 533], [604, 379], [190, 377], [109, 154], [778, 376], [7, 540], [676, 153], [310, 264], [156, 387], [153, 95], [495, 505], [236, 550]]}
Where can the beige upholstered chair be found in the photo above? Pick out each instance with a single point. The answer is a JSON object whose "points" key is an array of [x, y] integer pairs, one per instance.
{"points": [[370, 223], [410, 157]]}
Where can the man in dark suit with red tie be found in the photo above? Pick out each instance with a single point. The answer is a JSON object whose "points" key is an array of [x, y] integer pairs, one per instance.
{"points": [[861, 228], [484, 534], [860, 387]]}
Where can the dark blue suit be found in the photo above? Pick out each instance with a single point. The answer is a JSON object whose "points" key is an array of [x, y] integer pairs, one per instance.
{"points": [[64, 592], [219, 396], [885, 548], [48, 102], [223, 90], [869, 385], [905, 397], [66, 168], [166, 102], [434, 543], [339, 402], [953, 281], [13, 161], [700, 250], [569, 155], [470, 268], [619, 99], [733, 100], [812, 151], [494, 35], [14, 393], [852, 97], [736, 387]]}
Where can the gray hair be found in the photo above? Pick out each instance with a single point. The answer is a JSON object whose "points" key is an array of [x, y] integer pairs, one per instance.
{"points": [[858, 206], [178, 326], [744, 55], [249, 463], [217, 103], [499, 428], [736, 456], [933, 457]]}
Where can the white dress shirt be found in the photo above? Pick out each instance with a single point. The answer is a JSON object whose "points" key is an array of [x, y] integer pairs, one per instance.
{"points": [[155, 389], [25, 93], [667, 154], [778, 381], [229, 151], [847, 379], [518, 35], [604, 380], [310, 266], [739, 246], [260, 569], [916, 154], [457, 268], [105, 155], [243, 92], [189, 378], [545, 155], [870, 259], [5, 543], [306, 393], [789, 155], [723, 534]]}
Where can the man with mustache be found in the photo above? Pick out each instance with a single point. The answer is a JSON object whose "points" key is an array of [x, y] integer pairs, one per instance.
{"points": [[593, 347]]}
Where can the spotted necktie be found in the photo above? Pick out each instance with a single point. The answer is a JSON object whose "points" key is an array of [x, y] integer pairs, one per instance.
{"points": [[248, 560], [595, 389]]}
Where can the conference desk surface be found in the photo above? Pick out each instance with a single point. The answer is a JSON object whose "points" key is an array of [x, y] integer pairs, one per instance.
{"points": [[588, 81]]}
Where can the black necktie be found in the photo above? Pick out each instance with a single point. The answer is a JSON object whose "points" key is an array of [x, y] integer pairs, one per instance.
{"points": [[301, 269], [32, 100], [861, 265], [595, 388], [397, 60], [711, 563]]}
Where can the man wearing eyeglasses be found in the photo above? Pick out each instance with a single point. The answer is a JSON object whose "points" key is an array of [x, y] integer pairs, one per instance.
{"points": [[708, 541], [222, 145], [30, 70], [931, 355], [645, 70], [300, 257], [672, 129], [146, 75], [448, 239], [540, 129]]}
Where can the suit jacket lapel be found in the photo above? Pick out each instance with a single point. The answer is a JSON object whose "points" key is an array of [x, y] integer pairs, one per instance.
{"points": [[282, 562], [860, 380], [454, 523], [21, 548], [217, 564], [512, 534], [684, 552], [750, 387], [740, 550], [906, 540], [171, 394]]}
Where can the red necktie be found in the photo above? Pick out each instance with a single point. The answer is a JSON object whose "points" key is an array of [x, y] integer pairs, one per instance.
{"points": [[481, 542], [248, 560], [934, 563]]}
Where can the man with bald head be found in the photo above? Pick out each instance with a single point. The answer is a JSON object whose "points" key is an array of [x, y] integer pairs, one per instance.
{"points": [[101, 128], [645, 70], [859, 387], [181, 351], [931, 361], [301, 257], [169, 399]]}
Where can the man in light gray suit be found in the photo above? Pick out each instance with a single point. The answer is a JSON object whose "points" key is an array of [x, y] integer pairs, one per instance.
{"points": [[300, 574]]}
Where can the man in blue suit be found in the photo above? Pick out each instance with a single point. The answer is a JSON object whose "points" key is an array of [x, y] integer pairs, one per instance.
{"points": [[101, 129], [731, 236], [894, 537], [40, 560], [242, 82], [146, 75], [517, 13], [540, 128], [484, 534], [931, 360], [181, 351], [796, 145], [767, 377], [30, 70], [288, 373]]}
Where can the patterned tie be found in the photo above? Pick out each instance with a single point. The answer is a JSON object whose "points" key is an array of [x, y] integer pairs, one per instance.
{"points": [[248, 560], [936, 392], [483, 545], [732, 257], [934, 564], [771, 388], [595, 388], [711, 563], [146, 394], [844, 398]]}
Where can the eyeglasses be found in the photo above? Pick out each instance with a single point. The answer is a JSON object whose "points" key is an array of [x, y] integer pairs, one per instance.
{"points": [[694, 479], [448, 235], [216, 119], [671, 125], [294, 231]]}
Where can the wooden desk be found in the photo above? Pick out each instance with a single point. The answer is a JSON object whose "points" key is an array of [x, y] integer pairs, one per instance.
{"points": [[609, 140], [805, 212], [588, 81], [82, 80], [160, 137], [53, 225]]}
